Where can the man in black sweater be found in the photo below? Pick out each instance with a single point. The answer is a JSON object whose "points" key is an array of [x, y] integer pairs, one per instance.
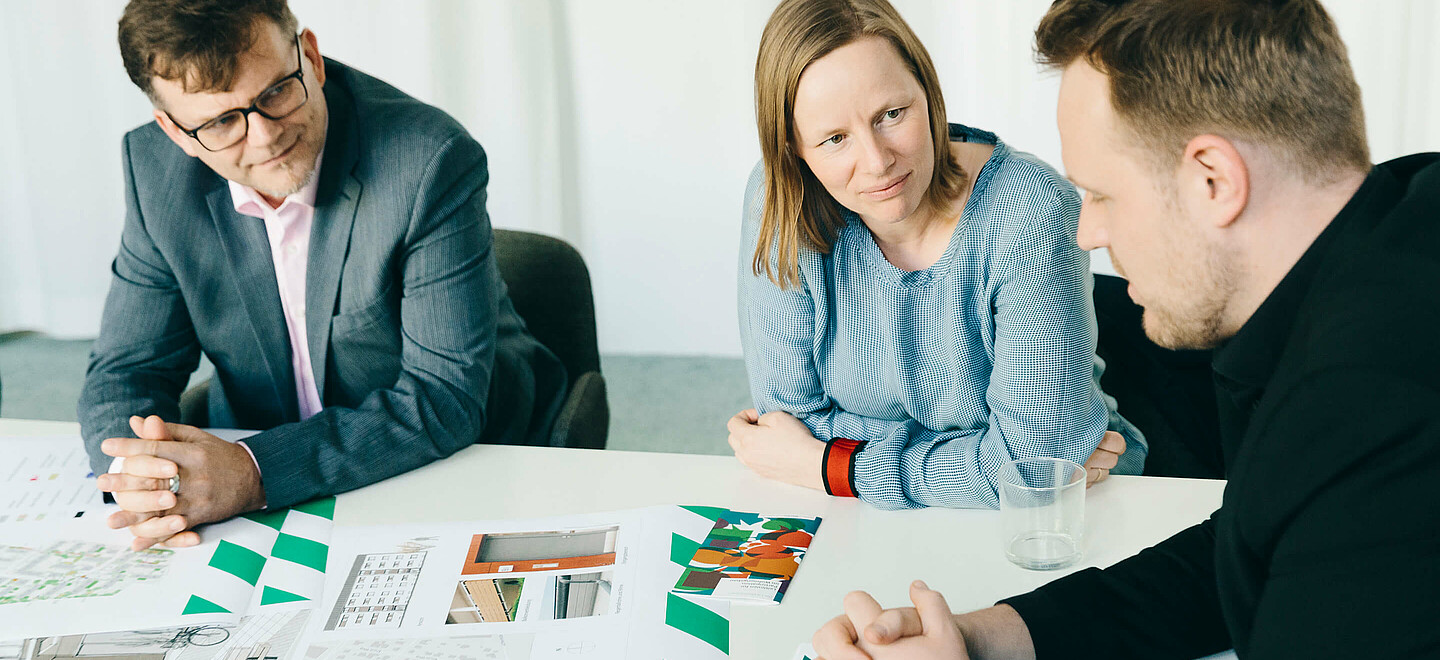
{"points": [[1221, 145]]}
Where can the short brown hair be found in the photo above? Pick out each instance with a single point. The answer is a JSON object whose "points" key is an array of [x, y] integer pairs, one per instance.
{"points": [[798, 211], [196, 42], [1272, 72]]}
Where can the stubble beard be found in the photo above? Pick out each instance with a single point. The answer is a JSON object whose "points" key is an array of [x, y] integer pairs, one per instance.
{"points": [[312, 141], [295, 185], [1203, 280], [296, 179]]}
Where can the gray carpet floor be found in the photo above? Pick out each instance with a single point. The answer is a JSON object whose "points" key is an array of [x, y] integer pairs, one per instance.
{"points": [[673, 404]]}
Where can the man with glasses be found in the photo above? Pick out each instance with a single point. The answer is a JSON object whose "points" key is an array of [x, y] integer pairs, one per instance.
{"points": [[322, 238]]}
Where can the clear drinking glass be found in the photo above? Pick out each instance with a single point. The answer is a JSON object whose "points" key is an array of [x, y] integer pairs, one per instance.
{"points": [[1042, 512]]}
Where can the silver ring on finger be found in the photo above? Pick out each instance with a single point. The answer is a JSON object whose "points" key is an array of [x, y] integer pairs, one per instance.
{"points": [[175, 484]]}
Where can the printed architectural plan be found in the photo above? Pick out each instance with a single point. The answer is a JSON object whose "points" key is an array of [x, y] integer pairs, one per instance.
{"points": [[288, 584], [76, 576], [269, 636], [74, 569], [595, 585], [377, 591]]}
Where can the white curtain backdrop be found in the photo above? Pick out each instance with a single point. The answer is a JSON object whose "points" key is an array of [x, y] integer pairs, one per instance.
{"points": [[624, 126]]}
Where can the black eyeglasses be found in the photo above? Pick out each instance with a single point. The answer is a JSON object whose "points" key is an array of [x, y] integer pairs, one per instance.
{"points": [[278, 101]]}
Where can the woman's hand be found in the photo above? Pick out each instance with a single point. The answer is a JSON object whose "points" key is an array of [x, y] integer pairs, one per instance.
{"points": [[777, 446], [1106, 456]]}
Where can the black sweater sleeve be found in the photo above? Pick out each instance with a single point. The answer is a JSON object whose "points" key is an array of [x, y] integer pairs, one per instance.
{"points": [[1325, 546], [1161, 603]]}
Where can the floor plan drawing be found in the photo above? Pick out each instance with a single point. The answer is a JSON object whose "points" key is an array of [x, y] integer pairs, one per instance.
{"points": [[74, 569], [270, 636]]}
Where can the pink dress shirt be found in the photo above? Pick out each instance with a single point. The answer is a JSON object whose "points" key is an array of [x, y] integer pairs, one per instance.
{"points": [[288, 228]]}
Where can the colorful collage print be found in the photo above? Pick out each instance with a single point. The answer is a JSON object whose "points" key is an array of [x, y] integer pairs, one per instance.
{"points": [[748, 557]]}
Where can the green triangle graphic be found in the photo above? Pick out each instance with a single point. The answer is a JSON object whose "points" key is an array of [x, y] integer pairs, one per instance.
{"points": [[272, 519], [323, 507], [238, 560], [682, 550], [302, 551], [198, 605], [271, 595]]}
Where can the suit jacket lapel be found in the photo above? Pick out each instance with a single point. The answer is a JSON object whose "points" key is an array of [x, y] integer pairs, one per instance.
{"points": [[336, 201], [253, 271]]}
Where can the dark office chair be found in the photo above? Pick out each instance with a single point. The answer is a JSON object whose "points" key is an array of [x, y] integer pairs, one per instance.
{"points": [[1169, 395], [195, 405], [550, 288]]}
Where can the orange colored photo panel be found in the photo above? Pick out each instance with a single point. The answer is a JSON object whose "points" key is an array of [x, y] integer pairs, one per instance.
{"points": [[528, 552]]}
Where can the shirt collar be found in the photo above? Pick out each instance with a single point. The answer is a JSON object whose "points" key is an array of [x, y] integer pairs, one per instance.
{"points": [[1250, 357], [248, 202]]}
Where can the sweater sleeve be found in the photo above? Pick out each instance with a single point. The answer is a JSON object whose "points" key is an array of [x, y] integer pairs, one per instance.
{"points": [[1042, 395]]}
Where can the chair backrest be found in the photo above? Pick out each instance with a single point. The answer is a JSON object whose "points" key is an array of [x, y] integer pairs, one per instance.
{"points": [[550, 288], [1169, 395]]}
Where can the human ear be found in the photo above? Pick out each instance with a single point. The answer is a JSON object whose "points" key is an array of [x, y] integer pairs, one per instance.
{"points": [[1214, 180], [312, 53], [174, 133]]}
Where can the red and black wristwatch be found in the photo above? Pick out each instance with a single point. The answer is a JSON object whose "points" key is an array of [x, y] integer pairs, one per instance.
{"points": [[837, 469]]}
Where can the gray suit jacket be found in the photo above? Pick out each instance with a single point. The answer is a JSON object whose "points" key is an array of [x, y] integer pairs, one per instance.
{"points": [[416, 348]]}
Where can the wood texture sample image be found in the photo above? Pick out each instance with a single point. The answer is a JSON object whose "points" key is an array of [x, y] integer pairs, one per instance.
{"points": [[537, 597], [486, 601]]}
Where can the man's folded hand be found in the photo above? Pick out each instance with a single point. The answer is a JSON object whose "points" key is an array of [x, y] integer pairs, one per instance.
{"points": [[217, 480]]}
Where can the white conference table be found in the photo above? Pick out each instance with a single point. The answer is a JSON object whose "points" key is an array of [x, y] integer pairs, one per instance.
{"points": [[857, 547]]}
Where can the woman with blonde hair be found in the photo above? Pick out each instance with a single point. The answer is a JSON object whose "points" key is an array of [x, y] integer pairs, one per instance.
{"points": [[914, 309]]}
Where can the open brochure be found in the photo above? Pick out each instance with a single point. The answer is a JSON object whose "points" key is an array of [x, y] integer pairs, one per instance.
{"points": [[290, 584], [594, 584], [747, 557]]}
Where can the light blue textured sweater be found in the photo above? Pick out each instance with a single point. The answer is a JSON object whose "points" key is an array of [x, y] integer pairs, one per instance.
{"points": [[947, 372]]}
